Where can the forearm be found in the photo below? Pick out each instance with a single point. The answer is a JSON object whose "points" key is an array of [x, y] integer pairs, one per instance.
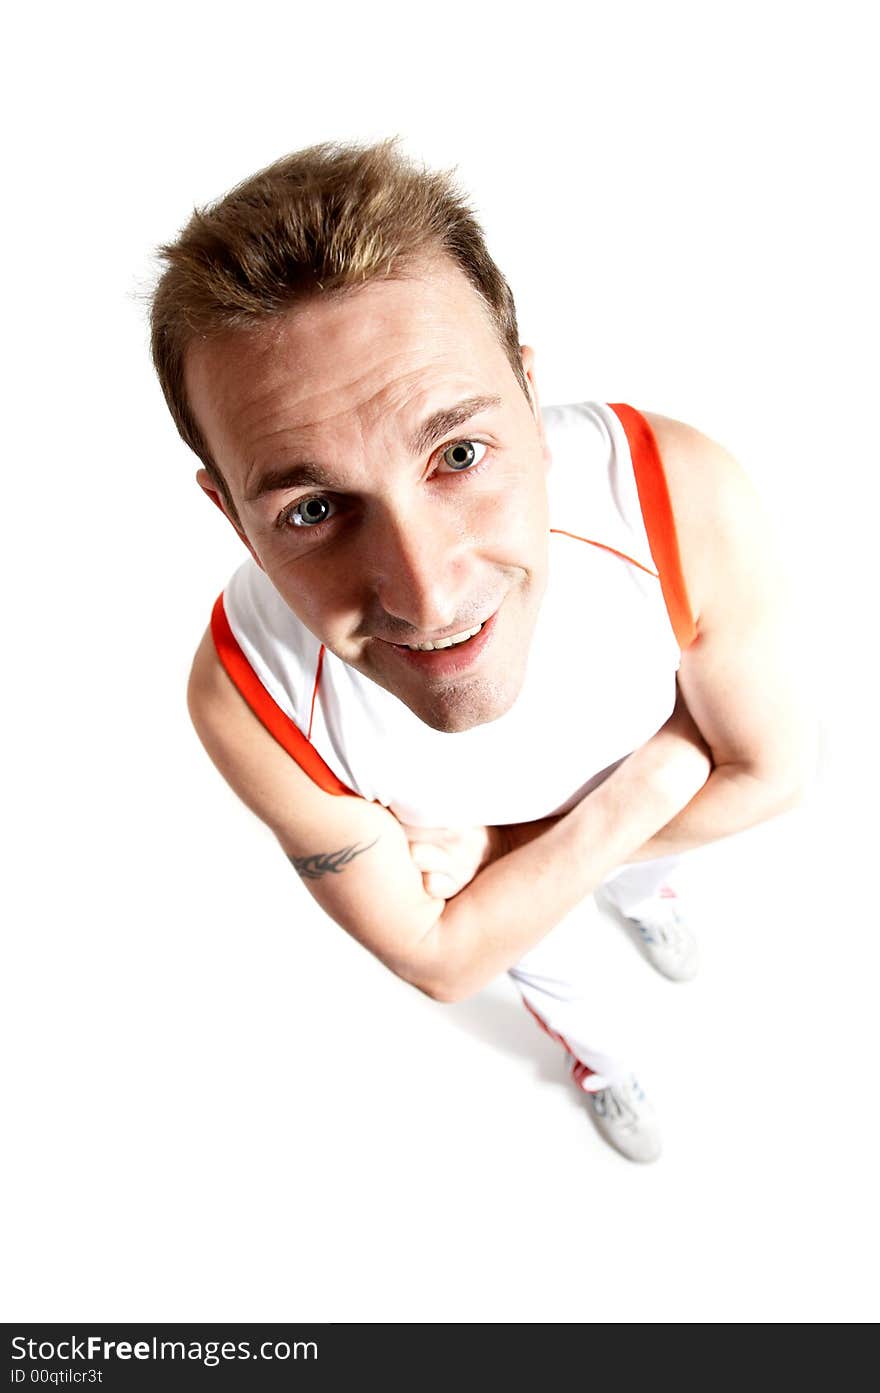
{"points": [[552, 865], [732, 800]]}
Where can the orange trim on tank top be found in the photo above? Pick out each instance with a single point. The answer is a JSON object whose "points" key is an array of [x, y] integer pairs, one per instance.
{"points": [[266, 708], [315, 689], [660, 528], [659, 520], [614, 552]]}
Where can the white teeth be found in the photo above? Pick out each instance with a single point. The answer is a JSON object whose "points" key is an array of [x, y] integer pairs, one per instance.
{"points": [[444, 642]]}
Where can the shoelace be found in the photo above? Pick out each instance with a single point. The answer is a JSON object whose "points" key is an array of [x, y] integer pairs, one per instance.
{"points": [[667, 930], [613, 1103]]}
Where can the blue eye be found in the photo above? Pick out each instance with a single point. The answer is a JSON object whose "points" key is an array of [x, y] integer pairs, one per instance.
{"points": [[309, 512], [461, 454]]}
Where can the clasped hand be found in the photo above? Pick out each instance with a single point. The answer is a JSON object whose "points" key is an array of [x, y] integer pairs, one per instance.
{"points": [[674, 763], [449, 857]]}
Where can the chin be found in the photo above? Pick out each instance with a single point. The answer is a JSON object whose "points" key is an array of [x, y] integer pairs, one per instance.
{"points": [[463, 709]]}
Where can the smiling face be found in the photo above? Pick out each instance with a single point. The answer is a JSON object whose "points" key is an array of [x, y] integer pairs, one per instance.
{"points": [[390, 478]]}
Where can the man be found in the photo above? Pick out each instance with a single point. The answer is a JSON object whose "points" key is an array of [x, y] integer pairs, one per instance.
{"points": [[482, 659]]}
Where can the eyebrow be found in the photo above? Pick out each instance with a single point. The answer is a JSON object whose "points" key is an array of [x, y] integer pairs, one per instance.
{"points": [[305, 474]]}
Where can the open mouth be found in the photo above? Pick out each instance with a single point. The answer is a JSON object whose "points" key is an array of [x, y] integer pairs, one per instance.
{"points": [[454, 641], [449, 655]]}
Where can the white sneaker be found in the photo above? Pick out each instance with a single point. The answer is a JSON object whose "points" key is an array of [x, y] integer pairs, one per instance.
{"points": [[660, 928], [665, 938], [626, 1119]]}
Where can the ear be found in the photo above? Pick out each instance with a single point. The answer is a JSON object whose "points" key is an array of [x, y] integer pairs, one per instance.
{"points": [[207, 485], [528, 362]]}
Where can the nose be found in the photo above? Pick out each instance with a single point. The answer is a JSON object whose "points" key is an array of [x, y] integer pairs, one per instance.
{"points": [[421, 570]]}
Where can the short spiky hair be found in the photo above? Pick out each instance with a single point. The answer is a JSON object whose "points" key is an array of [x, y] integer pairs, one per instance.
{"points": [[322, 220]]}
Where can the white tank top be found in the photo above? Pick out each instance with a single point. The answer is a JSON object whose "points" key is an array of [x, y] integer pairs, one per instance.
{"points": [[601, 672]]}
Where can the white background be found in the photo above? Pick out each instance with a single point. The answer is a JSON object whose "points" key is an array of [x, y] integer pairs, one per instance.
{"points": [[219, 1107]]}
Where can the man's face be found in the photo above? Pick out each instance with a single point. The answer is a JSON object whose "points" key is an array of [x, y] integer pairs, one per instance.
{"points": [[377, 532]]}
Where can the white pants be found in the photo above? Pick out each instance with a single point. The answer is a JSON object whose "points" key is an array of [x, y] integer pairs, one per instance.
{"points": [[556, 979]]}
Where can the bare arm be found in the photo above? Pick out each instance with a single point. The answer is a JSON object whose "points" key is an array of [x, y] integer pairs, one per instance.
{"points": [[355, 857], [553, 864], [746, 679]]}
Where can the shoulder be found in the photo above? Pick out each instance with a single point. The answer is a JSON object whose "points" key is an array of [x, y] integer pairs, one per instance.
{"points": [[749, 679], [223, 721], [720, 519], [209, 691], [262, 772], [353, 855], [692, 459], [243, 750], [206, 671]]}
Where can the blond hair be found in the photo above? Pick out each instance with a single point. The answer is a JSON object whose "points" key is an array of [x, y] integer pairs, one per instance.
{"points": [[323, 220]]}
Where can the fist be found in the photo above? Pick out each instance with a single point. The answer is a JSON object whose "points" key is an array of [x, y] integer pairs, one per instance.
{"points": [[449, 857]]}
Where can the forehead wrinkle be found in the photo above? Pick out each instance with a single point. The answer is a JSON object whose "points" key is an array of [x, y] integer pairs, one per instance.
{"points": [[301, 436], [262, 429], [296, 462], [375, 408], [298, 471], [271, 403]]}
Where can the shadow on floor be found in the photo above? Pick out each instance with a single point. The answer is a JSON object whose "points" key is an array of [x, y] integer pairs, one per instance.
{"points": [[505, 1025]]}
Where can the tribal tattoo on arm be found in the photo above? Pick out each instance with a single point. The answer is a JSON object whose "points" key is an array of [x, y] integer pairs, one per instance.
{"points": [[324, 862]]}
